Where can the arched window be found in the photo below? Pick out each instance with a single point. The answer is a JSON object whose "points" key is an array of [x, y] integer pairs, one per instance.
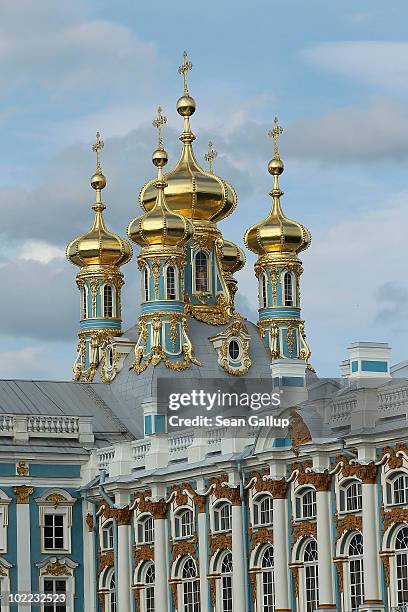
{"points": [[84, 294], [201, 272], [306, 504], [145, 530], [190, 587], [226, 583], [264, 290], [234, 350], [268, 581], [146, 284], [107, 301], [351, 497], [170, 283], [288, 289], [110, 598], [184, 524], [355, 551], [311, 581], [399, 489], [107, 536], [223, 517], [401, 560], [149, 589], [263, 510]]}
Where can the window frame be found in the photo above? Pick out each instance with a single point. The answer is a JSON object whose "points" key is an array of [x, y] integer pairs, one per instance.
{"points": [[390, 486], [196, 291], [263, 290], [106, 314], [141, 523], [166, 281], [299, 504], [107, 526], [179, 526], [257, 511], [344, 497], [286, 274], [218, 518]]}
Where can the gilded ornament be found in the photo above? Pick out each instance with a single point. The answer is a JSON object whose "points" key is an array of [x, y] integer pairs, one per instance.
{"points": [[298, 431], [261, 536], [367, 473], [55, 499], [386, 563], [58, 569], [340, 575], [219, 542], [89, 521], [22, 468], [144, 553], [105, 560], [348, 522], [395, 515], [23, 493], [303, 529]]}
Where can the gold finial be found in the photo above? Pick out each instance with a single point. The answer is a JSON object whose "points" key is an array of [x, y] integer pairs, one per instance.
{"points": [[158, 124], [183, 69], [275, 133], [210, 156], [96, 148]]}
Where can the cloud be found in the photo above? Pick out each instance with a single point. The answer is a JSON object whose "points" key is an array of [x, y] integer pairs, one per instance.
{"points": [[40, 251], [59, 47], [39, 361], [383, 64]]}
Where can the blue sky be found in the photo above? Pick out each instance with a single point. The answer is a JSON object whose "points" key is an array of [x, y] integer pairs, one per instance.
{"points": [[335, 73]]}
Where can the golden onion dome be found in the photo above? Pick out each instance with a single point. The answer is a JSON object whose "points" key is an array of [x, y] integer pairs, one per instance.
{"points": [[232, 257], [191, 191], [99, 246], [159, 226], [277, 233]]}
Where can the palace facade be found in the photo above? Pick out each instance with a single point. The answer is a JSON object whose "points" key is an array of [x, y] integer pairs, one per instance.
{"points": [[102, 509]]}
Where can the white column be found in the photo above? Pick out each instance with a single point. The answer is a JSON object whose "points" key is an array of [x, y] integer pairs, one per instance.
{"points": [[123, 590], [371, 559], [89, 560], [160, 558], [280, 554], [238, 560], [324, 547], [23, 537], [203, 553]]}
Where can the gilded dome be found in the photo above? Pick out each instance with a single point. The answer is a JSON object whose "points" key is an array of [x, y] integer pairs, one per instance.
{"points": [[160, 226], [99, 246], [277, 234], [232, 257], [191, 191]]}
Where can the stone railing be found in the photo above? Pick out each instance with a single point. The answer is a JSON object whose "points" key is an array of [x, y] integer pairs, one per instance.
{"points": [[105, 457], [393, 401], [22, 427], [140, 448], [341, 411], [179, 443]]}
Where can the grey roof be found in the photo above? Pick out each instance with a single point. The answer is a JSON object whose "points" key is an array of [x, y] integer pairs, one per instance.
{"points": [[63, 398], [130, 389]]}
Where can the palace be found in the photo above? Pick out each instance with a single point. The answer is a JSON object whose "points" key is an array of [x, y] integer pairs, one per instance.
{"points": [[105, 509]]}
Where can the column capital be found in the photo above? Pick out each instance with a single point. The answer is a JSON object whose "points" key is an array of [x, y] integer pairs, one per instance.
{"points": [[121, 515], [23, 493]]}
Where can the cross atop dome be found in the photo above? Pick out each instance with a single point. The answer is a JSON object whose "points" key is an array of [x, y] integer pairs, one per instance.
{"points": [[210, 156], [275, 133], [97, 148], [158, 123], [184, 69]]}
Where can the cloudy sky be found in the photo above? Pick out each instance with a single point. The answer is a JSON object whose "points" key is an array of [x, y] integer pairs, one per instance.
{"points": [[335, 73]]}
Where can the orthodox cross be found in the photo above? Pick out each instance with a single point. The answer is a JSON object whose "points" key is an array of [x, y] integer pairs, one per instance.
{"points": [[97, 148], [183, 69], [158, 124], [275, 133], [210, 156]]}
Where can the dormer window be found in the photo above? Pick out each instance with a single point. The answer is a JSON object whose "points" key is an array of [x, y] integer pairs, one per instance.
{"points": [[234, 350]]}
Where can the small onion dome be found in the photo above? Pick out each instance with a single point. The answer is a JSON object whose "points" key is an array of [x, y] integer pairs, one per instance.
{"points": [[232, 258], [160, 226], [191, 191], [277, 233], [99, 247]]}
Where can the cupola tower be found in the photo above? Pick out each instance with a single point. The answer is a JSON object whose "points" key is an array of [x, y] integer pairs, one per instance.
{"points": [[162, 234], [278, 241], [99, 254]]}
